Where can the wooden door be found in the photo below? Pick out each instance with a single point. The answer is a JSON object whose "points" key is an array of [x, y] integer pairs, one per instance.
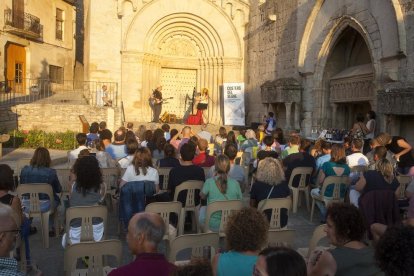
{"points": [[16, 67]]}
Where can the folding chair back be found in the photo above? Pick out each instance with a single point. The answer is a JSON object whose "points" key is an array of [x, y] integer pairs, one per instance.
{"points": [[86, 214], [404, 180], [96, 251], [276, 205], [197, 243], [338, 183], [318, 234], [281, 237], [359, 169], [64, 180], [164, 209], [304, 174], [20, 164], [226, 208], [165, 173], [110, 177], [191, 187], [34, 190]]}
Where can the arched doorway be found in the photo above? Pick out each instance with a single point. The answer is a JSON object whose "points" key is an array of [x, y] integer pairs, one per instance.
{"points": [[347, 80]]}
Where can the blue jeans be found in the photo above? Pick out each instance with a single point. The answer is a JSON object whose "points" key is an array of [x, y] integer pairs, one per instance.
{"points": [[25, 232], [131, 201], [320, 204]]}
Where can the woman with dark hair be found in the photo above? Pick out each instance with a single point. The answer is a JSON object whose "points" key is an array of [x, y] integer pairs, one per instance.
{"points": [[231, 139], [170, 160], [335, 167], [39, 171], [246, 233], [147, 138], [359, 129], [7, 186], [219, 187], [395, 251], [158, 152], [87, 190], [152, 144], [371, 126], [220, 139], [275, 261], [92, 135], [402, 151], [130, 135], [176, 142], [345, 230], [104, 158]]}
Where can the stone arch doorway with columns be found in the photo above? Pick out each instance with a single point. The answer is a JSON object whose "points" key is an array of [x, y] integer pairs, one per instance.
{"points": [[180, 45]]}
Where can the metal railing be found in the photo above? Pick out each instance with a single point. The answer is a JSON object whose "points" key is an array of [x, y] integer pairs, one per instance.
{"points": [[24, 91], [24, 24]]}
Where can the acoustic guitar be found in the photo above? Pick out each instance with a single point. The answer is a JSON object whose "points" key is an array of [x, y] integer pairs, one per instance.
{"points": [[154, 101]]}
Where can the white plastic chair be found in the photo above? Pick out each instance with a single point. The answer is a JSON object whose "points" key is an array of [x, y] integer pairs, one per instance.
{"points": [[303, 186]]}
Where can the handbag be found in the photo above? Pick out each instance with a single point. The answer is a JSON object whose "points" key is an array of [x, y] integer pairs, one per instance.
{"points": [[260, 207]]}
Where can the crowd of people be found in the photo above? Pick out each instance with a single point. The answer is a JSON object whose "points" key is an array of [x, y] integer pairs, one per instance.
{"points": [[255, 162]]}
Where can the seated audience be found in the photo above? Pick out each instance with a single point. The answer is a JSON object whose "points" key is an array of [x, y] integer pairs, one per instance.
{"points": [[203, 159], [241, 137], [170, 160], [250, 141], [270, 183], [117, 149], [220, 139], [92, 135], [146, 138], [88, 190], [9, 229], [145, 233], [132, 182], [102, 126], [39, 171], [219, 187], [187, 171], [260, 133], [326, 148], [131, 147], [81, 139], [231, 139], [280, 261], [246, 234], [357, 158], [236, 171], [382, 178], [106, 137], [267, 151], [300, 159], [158, 152], [345, 230], [7, 198], [335, 167], [156, 135], [294, 142], [130, 127], [205, 134], [140, 133], [395, 251], [166, 129], [105, 160], [176, 142]]}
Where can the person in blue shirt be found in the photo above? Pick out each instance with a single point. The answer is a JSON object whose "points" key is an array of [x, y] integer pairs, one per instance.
{"points": [[270, 123]]}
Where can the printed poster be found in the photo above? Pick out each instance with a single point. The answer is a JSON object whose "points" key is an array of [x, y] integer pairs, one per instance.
{"points": [[233, 101]]}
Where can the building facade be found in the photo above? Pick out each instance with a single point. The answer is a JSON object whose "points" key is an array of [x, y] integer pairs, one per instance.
{"points": [[318, 63], [36, 42]]}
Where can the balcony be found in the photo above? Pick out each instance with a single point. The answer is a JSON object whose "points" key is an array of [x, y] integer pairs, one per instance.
{"points": [[285, 90], [24, 25]]}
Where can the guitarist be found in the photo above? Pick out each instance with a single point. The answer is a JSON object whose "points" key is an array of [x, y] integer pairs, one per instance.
{"points": [[156, 100]]}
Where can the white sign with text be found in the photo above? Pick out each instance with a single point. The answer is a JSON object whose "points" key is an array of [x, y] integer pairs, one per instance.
{"points": [[233, 100]]}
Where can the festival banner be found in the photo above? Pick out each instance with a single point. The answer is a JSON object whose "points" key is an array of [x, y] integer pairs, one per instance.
{"points": [[233, 101]]}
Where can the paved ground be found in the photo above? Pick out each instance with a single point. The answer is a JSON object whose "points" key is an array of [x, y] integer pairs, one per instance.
{"points": [[50, 260]]}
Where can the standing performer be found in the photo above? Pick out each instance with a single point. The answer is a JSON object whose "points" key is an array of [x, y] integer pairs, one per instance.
{"points": [[202, 103], [156, 103]]}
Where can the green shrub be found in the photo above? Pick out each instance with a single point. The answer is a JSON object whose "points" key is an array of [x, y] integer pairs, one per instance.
{"points": [[37, 138]]}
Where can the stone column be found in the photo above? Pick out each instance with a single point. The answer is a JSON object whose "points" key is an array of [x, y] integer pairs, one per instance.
{"points": [[351, 117], [288, 113], [297, 114], [334, 107]]}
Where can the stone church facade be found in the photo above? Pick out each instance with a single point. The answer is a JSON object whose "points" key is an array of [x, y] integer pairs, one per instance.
{"points": [[315, 63]]}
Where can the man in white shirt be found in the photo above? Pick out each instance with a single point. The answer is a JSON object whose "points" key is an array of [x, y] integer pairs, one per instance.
{"points": [[205, 134], [81, 139], [357, 158]]}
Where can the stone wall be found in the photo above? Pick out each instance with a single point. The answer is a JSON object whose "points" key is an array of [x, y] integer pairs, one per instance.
{"points": [[49, 117], [271, 50]]}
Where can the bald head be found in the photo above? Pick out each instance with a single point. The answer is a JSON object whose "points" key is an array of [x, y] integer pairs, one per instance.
{"points": [[8, 226], [7, 218], [150, 225]]}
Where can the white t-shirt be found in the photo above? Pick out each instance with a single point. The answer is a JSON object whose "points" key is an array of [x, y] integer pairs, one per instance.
{"points": [[73, 155], [126, 161], [357, 159], [205, 135], [130, 175]]}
